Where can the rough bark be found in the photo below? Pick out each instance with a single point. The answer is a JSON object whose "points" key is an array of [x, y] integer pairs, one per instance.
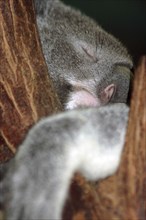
{"points": [[26, 92], [122, 196]]}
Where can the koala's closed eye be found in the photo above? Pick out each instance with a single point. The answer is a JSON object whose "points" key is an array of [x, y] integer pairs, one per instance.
{"points": [[90, 53]]}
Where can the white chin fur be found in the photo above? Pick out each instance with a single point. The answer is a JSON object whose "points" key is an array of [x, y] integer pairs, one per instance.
{"points": [[81, 98]]}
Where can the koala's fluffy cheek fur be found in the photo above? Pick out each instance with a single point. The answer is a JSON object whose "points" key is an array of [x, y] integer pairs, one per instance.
{"points": [[82, 98]]}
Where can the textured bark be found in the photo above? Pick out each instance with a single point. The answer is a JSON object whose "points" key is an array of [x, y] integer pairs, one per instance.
{"points": [[122, 196], [26, 92]]}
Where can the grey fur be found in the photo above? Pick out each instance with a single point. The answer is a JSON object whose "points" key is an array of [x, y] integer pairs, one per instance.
{"points": [[37, 183], [80, 56], [63, 31]]}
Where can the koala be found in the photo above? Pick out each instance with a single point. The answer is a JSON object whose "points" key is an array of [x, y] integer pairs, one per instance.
{"points": [[89, 141], [88, 66], [91, 72]]}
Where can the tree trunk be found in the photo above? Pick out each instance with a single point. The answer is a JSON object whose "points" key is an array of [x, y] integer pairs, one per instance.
{"points": [[122, 196], [26, 92]]}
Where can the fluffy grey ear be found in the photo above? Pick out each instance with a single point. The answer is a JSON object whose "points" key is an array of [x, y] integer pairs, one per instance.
{"points": [[107, 93]]}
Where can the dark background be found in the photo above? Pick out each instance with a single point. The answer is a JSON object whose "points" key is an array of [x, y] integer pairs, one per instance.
{"points": [[125, 19]]}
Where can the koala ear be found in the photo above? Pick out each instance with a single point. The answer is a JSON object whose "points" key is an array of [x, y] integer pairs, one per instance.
{"points": [[107, 93]]}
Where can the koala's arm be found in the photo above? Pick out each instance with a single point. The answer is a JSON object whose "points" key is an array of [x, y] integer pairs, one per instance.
{"points": [[89, 141]]}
